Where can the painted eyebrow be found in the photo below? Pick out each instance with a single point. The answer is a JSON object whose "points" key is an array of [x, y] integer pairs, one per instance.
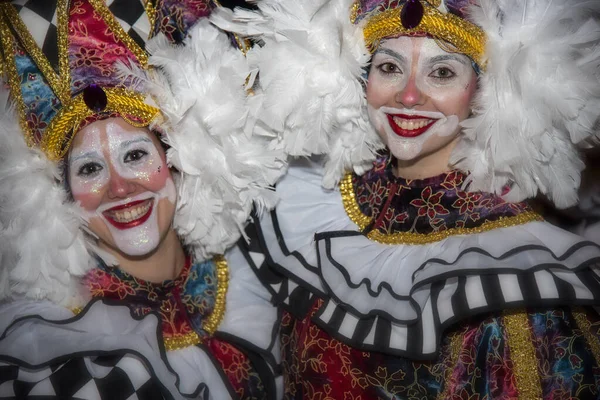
{"points": [[128, 143], [391, 53], [444, 57], [84, 155]]}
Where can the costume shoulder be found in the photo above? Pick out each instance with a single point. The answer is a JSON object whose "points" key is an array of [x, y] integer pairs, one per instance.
{"points": [[399, 298]]}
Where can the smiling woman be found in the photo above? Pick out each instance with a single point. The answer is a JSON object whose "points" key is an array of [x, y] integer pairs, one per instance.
{"points": [[427, 274], [133, 286], [119, 176]]}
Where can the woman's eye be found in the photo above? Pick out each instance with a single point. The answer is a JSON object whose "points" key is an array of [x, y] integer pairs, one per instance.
{"points": [[134, 155], [442, 73], [389, 68], [89, 169]]}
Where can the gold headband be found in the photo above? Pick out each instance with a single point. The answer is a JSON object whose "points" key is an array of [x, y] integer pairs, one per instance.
{"points": [[66, 122], [468, 38]]}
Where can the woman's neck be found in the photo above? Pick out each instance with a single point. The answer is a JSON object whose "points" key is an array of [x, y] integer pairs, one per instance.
{"points": [[425, 166], [164, 263]]}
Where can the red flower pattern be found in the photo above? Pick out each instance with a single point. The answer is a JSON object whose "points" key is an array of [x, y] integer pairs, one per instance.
{"points": [[429, 203]]}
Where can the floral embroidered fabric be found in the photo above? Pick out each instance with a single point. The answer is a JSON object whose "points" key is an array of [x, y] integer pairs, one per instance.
{"points": [[476, 361], [428, 205], [183, 303]]}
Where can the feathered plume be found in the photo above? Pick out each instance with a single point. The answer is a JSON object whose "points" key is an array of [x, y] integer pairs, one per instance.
{"points": [[538, 99], [225, 166], [43, 251], [310, 63]]}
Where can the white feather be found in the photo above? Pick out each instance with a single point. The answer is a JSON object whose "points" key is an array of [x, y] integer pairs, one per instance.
{"points": [[538, 99], [311, 64], [43, 249], [226, 164]]}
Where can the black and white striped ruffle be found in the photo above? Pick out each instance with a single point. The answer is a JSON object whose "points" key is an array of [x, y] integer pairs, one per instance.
{"points": [[452, 296]]}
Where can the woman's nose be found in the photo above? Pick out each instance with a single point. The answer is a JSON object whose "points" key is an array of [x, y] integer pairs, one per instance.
{"points": [[120, 187], [410, 95]]}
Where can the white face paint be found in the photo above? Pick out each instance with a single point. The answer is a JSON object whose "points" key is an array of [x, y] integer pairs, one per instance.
{"points": [[120, 179], [418, 94]]}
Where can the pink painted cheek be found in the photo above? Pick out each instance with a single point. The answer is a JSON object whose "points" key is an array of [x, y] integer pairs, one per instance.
{"points": [[89, 201]]}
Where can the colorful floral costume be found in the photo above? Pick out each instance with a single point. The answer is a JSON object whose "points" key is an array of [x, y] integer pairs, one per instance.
{"points": [[475, 298], [72, 324]]}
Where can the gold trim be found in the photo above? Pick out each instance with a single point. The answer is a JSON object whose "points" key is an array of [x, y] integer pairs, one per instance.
{"points": [[62, 17], [468, 38], [355, 214], [522, 354], [215, 318], [151, 13], [14, 80], [118, 31], [35, 53], [351, 204], [57, 137], [586, 328], [456, 341], [223, 283]]}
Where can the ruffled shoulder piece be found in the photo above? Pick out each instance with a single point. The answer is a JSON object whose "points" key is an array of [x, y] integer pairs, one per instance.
{"points": [[399, 298]]}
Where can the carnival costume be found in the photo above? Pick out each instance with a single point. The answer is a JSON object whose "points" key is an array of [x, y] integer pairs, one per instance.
{"points": [[72, 324], [449, 287]]}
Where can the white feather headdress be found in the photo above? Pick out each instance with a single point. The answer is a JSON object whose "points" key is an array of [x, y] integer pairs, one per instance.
{"points": [[43, 251], [311, 65], [224, 169], [225, 166], [539, 97]]}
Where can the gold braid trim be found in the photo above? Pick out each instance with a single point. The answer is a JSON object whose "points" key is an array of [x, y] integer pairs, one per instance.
{"points": [[58, 137], [36, 54], [522, 354], [14, 80], [456, 341], [586, 329], [215, 318], [468, 38], [118, 31], [355, 214]]}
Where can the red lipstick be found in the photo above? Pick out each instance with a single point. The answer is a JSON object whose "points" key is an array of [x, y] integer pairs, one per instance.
{"points": [[408, 132], [111, 214]]}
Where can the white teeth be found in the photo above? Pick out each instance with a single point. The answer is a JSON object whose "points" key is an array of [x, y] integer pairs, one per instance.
{"points": [[130, 215], [411, 124]]}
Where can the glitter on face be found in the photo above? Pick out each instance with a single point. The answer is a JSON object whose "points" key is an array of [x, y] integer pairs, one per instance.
{"points": [[114, 177], [417, 95]]}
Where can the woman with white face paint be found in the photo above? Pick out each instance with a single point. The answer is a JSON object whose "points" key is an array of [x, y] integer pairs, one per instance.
{"points": [[426, 274], [120, 269]]}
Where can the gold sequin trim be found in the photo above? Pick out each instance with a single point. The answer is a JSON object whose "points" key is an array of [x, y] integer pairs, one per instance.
{"points": [[151, 13], [215, 318], [522, 354], [354, 10], [58, 137], [468, 38], [456, 341], [223, 283], [62, 17], [36, 53], [118, 31], [586, 329], [355, 214]]}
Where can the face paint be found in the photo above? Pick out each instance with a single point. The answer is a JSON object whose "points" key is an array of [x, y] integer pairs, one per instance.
{"points": [[118, 175], [418, 94]]}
